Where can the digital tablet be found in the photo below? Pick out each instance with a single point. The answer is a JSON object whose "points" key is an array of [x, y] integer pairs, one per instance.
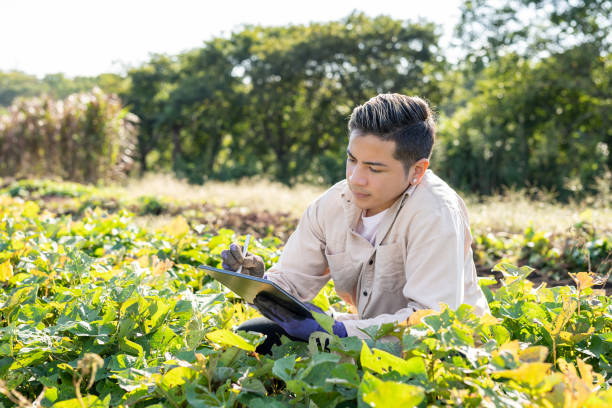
{"points": [[251, 288]]}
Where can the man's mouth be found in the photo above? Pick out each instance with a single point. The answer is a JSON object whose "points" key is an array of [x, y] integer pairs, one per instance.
{"points": [[360, 195]]}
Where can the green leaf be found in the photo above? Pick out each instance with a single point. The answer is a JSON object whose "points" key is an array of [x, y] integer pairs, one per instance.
{"points": [[326, 322], [120, 362], [18, 297], [382, 362], [228, 338], [27, 358], [500, 334], [378, 393], [251, 384], [267, 403], [344, 374], [510, 270], [158, 311], [164, 339], [322, 301], [130, 347], [283, 368], [51, 395], [301, 388]]}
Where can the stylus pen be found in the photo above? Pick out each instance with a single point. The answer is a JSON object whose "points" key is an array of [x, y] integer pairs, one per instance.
{"points": [[244, 251]]}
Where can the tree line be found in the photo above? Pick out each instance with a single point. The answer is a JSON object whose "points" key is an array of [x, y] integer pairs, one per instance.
{"points": [[527, 104]]}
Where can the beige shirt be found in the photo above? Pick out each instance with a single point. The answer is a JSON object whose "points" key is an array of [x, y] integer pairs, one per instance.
{"points": [[421, 256]]}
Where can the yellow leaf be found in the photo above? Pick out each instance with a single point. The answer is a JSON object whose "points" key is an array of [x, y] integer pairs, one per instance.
{"points": [[534, 354], [30, 209], [601, 399], [144, 261], [578, 390], [228, 338], [6, 271], [178, 228], [416, 317], [569, 305], [512, 347], [160, 267], [572, 338], [586, 215], [488, 320], [36, 272], [200, 359], [528, 373], [586, 371], [176, 377], [90, 401], [583, 280]]}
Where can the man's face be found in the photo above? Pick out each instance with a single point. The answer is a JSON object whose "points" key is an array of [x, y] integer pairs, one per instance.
{"points": [[374, 176]]}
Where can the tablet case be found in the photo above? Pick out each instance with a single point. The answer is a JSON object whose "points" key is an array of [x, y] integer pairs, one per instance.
{"points": [[251, 288]]}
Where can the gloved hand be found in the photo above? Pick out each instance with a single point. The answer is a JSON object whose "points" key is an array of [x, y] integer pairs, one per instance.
{"points": [[251, 264], [294, 325]]}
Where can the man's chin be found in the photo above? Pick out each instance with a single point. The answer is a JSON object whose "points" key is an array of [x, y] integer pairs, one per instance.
{"points": [[364, 204]]}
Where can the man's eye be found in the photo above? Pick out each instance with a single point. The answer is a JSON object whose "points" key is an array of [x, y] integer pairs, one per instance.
{"points": [[374, 170], [349, 158]]}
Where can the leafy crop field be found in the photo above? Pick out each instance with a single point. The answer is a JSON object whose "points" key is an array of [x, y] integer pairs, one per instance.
{"points": [[99, 310]]}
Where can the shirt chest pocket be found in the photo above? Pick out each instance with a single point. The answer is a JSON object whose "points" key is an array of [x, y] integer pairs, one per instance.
{"points": [[341, 272], [389, 268]]}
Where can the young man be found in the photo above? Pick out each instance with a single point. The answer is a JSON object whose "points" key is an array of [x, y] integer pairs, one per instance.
{"points": [[393, 236]]}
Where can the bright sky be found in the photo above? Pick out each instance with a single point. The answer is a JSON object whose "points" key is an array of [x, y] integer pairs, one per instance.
{"points": [[89, 37]]}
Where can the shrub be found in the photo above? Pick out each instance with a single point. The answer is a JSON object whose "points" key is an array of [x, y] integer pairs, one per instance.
{"points": [[86, 137]]}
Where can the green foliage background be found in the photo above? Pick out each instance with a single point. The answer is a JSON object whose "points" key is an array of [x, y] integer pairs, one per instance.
{"points": [[526, 105]]}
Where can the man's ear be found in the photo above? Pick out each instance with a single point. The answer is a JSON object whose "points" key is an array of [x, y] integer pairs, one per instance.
{"points": [[417, 171]]}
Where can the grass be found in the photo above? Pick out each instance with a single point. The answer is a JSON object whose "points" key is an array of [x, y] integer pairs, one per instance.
{"points": [[513, 212], [510, 212], [256, 195]]}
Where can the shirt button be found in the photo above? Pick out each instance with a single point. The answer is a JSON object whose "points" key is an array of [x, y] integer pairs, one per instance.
{"points": [[365, 293], [371, 262]]}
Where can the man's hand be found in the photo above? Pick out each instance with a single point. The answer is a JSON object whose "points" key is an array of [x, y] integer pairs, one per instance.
{"points": [[294, 325], [251, 264]]}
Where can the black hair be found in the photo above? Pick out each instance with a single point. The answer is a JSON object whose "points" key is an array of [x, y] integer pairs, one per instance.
{"points": [[406, 120]]}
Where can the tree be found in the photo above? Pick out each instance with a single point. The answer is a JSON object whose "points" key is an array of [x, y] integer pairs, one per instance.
{"points": [[148, 92], [303, 82], [533, 28], [536, 110], [16, 83]]}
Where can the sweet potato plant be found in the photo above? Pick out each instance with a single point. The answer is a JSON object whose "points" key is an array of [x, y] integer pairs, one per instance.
{"points": [[98, 312]]}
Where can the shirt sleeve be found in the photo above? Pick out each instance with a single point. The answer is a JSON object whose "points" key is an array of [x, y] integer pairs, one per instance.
{"points": [[302, 268], [438, 244]]}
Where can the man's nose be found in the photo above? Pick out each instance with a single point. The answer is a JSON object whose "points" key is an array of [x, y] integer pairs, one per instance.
{"points": [[358, 177]]}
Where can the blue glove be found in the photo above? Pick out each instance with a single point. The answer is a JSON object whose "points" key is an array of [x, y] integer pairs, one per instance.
{"points": [[293, 324]]}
